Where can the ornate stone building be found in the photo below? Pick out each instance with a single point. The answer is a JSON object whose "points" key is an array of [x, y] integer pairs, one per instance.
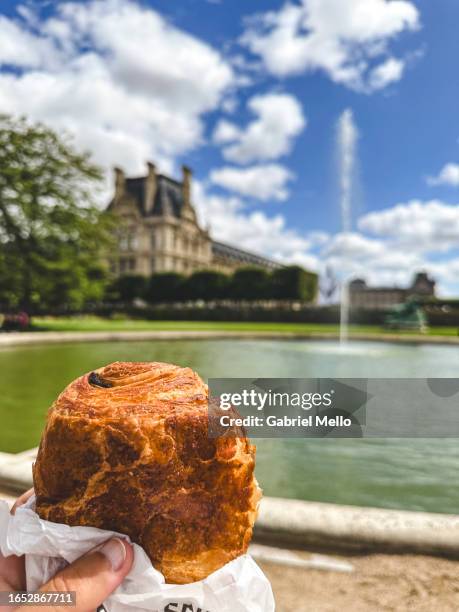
{"points": [[158, 229], [363, 296]]}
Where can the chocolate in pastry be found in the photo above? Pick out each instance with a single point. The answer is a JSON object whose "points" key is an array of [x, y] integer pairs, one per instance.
{"points": [[126, 448]]}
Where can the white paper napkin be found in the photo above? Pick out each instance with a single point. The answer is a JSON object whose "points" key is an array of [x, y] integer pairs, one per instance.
{"points": [[239, 586]]}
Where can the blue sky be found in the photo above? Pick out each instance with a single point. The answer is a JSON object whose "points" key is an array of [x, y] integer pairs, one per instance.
{"points": [[249, 95]]}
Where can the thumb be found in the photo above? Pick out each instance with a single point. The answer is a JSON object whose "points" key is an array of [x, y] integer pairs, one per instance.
{"points": [[95, 575]]}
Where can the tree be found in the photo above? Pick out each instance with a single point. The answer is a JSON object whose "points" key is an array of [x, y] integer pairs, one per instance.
{"points": [[165, 287], [293, 283], [52, 236], [129, 287], [206, 285], [249, 284]]}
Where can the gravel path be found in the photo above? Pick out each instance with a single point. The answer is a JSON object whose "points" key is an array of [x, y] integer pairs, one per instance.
{"points": [[379, 583]]}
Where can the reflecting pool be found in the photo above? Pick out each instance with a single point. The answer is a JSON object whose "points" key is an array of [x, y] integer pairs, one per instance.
{"points": [[411, 474]]}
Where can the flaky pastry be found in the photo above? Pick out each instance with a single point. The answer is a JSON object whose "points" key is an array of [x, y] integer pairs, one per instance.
{"points": [[126, 448]]}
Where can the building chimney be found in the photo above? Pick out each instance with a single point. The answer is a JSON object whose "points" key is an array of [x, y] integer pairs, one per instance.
{"points": [[120, 182], [186, 182], [150, 188]]}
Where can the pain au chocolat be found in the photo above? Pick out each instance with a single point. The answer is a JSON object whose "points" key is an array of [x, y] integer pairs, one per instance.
{"points": [[126, 448]]}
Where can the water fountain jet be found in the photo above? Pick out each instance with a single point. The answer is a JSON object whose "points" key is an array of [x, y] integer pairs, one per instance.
{"points": [[346, 139]]}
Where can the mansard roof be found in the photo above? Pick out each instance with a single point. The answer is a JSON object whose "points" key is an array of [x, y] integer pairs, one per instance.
{"points": [[220, 249], [168, 197]]}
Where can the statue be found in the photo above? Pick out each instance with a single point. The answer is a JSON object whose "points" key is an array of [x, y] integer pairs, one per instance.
{"points": [[409, 315]]}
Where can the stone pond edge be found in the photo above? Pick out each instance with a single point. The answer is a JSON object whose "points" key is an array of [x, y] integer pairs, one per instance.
{"points": [[312, 525], [38, 338]]}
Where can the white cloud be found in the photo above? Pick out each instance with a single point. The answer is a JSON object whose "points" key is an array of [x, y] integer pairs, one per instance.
{"points": [[279, 120], [388, 72], [123, 98], [431, 226], [448, 175], [379, 262], [263, 182], [225, 132], [340, 38], [406, 238], [120, 94], [353, 245], [22, 48], [268, 235], [446, 274], [400, 249]]}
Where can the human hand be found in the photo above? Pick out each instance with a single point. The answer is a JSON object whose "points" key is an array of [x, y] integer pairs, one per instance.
{"points": [[93, 576]]}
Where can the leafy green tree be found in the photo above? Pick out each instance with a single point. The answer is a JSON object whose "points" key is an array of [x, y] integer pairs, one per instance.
{"points": [[293, 283], [206, 285], [311, 284], [249, 284], [165, 287], [9, 280], [52, 235], [128, 287]]}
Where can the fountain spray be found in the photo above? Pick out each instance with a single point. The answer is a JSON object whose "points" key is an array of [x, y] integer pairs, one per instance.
{"points": [[347, 140]]}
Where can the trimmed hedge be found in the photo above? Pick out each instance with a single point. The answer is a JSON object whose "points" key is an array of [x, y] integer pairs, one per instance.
{"points": [[247, 312], [245, 284], [166, 287]]}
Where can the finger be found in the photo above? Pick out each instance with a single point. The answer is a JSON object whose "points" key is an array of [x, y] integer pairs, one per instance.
{"points": [[12, 568], [12, 573], [94, 576], [21, 500]]}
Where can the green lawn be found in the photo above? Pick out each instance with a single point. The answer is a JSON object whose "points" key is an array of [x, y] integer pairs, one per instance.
{"points": [[90, 323]]}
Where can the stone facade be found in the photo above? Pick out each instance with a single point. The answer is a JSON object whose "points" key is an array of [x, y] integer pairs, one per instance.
{"points": [[363, 296], [158, 230]]}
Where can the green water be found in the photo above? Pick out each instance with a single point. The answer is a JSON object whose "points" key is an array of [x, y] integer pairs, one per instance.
{"points": [[410, 474]]}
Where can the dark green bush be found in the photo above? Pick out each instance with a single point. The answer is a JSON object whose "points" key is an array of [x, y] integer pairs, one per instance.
{"points": [[165, 287], [206, 285], [250, 284], [293, 283], [128, 288]]}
